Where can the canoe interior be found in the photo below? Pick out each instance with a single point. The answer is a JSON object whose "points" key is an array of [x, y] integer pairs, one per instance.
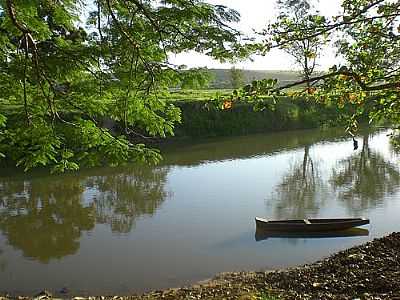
{"points": [[307, 225], [317, 221], [287, 221], [312, 221]]}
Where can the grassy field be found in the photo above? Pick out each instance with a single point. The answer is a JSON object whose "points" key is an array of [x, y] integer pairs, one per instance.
{"points": [[196, 95], [201, 95], [222, 77], [221, 85]]}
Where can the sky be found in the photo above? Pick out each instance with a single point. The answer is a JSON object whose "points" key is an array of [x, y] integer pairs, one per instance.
{"points": [[255, 14]]}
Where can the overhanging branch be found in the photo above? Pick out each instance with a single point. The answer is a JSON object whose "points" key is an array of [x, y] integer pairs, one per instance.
{"points": [[343, 71]]}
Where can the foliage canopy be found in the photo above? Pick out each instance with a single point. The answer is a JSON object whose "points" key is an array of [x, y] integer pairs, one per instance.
{"points": [[64, 77], [366, 37]]}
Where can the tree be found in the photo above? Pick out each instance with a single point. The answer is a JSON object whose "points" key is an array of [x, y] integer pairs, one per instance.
{"points": [[306, 51], [59, 80], [197, 78], [236, 77], [366, 35]]}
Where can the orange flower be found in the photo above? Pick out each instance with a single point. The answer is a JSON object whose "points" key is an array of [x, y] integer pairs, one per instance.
{"points": [[352, 97], [227, 104], [311, 90]]}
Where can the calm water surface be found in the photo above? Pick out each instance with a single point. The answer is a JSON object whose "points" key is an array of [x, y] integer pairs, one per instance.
{"points": [[132, 229]]}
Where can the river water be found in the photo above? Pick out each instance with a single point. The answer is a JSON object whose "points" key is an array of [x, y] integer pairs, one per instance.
{"points": [[131, 229]]}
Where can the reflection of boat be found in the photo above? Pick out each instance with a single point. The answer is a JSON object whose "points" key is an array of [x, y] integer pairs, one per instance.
{"points": [[310, 225], [262, 234]]}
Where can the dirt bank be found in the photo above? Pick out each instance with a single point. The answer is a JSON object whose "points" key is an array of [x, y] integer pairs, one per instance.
{"points": [[369, 271]]}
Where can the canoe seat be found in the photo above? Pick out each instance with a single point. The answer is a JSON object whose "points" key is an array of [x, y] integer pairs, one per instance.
{"points": [[306, 221]]}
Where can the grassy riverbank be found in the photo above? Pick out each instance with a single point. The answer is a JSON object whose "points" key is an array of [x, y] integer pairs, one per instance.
{"points": [[369, 271], [202, 119]]}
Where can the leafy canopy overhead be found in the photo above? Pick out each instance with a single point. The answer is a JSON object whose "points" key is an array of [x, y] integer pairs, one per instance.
{"points": [[62, 81], [366, 35], [82, 94]]}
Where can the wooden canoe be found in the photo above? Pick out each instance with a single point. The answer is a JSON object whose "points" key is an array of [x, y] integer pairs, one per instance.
{"points": [[310, 225]]}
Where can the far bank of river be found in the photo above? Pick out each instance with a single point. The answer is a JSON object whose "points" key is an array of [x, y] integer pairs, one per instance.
{"points": [[204, 119]]}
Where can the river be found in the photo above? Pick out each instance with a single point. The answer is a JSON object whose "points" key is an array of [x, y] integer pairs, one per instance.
{"points": [[132, 229]]}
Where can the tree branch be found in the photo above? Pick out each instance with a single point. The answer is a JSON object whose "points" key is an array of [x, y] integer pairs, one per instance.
{"points": [[13, 16], [343, 71], [133, 43], [324, 29]]}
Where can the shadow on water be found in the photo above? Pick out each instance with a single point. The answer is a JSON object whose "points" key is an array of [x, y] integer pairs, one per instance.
{"points": [[45, 216]]}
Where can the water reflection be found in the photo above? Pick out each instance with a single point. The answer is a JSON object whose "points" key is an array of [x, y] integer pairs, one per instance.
{"points": [[44, 221], [45, 217], [197, 152], [263, 234], [3, 263], [364, 178], [126, 195], [300, 191]]}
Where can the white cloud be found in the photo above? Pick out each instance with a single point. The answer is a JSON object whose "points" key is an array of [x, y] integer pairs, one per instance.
{"points": [[255, 14]]}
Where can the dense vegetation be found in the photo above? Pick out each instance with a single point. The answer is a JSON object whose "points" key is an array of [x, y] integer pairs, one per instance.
{"points": [[204, 118], [366, 35], [58, 80], [68, 67]]}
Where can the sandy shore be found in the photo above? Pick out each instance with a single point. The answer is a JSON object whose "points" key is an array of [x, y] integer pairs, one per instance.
{"points": [[369, 271]]}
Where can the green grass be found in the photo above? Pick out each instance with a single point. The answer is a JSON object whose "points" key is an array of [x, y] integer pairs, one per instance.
{"points": [[196, 95], [206, 94]]}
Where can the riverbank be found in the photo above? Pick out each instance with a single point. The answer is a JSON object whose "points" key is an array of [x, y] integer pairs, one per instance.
{"points": [[208, 119], [369, 271]]}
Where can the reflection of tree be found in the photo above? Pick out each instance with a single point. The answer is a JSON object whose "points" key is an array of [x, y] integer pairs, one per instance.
{"points": [[45, 217], [127, 195], [296, 195], [45, 220], [364, 178]]}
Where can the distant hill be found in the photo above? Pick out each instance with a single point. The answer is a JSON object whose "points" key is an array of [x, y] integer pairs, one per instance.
{"points": [[222, 77]]}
